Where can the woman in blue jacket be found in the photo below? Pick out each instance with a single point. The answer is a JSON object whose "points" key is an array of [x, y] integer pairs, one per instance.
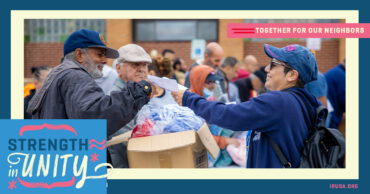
{"points": [[279, 114]]}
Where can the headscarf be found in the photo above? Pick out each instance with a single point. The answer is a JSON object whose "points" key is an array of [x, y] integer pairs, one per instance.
{"points": [[198, 76]]}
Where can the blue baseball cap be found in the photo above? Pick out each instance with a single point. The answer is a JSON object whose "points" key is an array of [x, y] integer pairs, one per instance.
{"points": [[297, 56], [85, 38], [213, 77]]}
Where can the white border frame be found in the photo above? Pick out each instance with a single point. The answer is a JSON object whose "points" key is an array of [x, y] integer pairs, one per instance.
{"points": [[352, 92]]}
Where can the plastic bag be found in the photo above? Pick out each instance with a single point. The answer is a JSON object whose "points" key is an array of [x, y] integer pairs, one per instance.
{"points": [[240, 154], [169, 118], [143, 129]]}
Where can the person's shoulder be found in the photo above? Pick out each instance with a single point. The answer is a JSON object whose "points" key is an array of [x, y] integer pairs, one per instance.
{"points": [[274, 96], [29, 97], [73, 76], [194, 65], [273, 102], [117, 85], [241, 81], [233, 86], [274, 93], [243, 72], [334, 71]]}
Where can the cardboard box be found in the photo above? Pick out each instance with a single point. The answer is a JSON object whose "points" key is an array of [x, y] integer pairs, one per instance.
{"points": [[186, 149]]}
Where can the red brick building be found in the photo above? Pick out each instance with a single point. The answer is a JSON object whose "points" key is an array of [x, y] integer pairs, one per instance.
{"points": [[119, 32]]}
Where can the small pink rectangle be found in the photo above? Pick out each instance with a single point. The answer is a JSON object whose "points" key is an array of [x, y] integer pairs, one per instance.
{"points": [[298, 30]]}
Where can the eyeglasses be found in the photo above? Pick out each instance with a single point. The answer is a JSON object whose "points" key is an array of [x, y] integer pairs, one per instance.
{"points": [[275, 62]]}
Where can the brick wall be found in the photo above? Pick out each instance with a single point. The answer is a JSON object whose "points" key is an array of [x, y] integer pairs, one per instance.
{"points": [[37, 54], [327, 57], [119, 33]]}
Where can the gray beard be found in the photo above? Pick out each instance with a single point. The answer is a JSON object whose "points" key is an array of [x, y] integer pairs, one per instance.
{"points": [[92, 69]]}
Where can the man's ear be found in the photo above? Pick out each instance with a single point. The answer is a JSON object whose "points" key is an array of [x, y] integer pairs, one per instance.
{"points": [[118, 67], [78, 55], [292, 75]]}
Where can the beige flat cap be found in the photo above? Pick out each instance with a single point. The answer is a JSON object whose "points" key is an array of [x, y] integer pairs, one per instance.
{"points": [[133, 53]]}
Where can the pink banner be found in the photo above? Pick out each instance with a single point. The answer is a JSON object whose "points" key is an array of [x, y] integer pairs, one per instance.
{"points": [[298, 30]]}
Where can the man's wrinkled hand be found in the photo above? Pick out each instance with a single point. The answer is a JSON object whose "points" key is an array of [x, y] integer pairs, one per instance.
{"points": [[178, 96]]}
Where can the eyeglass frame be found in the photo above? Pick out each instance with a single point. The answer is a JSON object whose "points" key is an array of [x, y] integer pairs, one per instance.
{"points": [[284, 64]]}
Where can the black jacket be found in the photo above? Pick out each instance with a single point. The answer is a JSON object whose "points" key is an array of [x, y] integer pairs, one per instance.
{"points": [[245, 86], [71, 93]]}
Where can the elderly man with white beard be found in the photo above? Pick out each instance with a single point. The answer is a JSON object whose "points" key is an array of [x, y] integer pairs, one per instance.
{"points": [[70, 92]]}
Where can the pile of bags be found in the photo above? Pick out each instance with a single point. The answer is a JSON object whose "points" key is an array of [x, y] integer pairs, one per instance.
{"points": [[169, 118]]}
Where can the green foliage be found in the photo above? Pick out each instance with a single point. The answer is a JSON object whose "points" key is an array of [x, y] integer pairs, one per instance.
{"points": [[41, 31], [27, 38], [63, 37]]}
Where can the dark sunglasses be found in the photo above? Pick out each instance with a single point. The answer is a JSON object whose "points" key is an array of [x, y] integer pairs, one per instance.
{"points": [[275, 63]]}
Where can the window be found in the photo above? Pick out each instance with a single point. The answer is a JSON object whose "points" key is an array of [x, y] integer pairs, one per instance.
{"points": [[175, 30], [57, 30]]}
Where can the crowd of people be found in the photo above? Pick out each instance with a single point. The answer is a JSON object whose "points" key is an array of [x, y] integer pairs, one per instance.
{"points": [[244, 103]]}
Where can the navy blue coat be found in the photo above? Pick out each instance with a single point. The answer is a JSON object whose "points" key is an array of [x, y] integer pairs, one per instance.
{"points": [[278, 114], [336, 79]]}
